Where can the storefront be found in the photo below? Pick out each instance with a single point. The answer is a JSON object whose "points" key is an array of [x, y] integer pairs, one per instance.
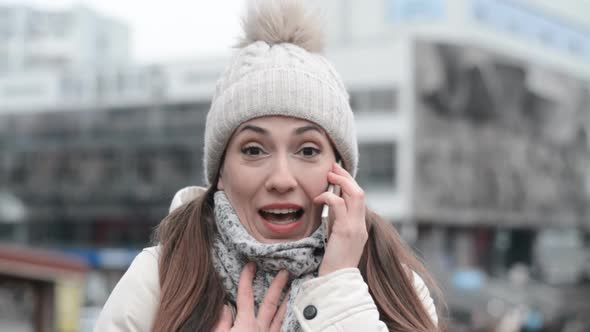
{"points": [[40, 291]]}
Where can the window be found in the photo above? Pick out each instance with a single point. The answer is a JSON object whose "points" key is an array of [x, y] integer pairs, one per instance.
{"points": [[373, 100], [575, 46], [382, 99], [197, 77], [481, 12], [546, 36], [6, 32], [377, 165], [4, 61], [23, 90], [72, 87], [415, 10], [524, 21], [34, 26], [61, 23]]}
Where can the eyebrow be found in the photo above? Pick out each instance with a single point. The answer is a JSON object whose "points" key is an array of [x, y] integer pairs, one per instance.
{"points": [[255, 129], [307, 128], [265, 132]]}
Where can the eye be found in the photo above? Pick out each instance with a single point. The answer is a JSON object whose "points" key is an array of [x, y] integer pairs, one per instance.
{"points": [[252, 150], [309, 151]]}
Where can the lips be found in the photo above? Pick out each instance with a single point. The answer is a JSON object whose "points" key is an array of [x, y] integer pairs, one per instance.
{"points": [[281, 217]]}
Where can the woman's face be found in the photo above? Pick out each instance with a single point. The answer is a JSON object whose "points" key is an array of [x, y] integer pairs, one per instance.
{"points": [[273, 169]]}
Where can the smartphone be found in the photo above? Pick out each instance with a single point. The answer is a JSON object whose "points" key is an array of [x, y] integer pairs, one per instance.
{"points": [[325, 217]]}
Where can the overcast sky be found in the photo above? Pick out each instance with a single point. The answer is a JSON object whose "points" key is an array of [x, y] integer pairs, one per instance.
{"points": [[167, 29]]}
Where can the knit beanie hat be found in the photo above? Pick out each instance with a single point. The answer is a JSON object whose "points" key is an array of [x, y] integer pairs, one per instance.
{"points": [[278, 71]]}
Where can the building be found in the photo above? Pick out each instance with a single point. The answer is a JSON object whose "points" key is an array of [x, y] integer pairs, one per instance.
{"points": [[61, 53], [41, 291], [380, 46], [75, 39], [489, 128]]}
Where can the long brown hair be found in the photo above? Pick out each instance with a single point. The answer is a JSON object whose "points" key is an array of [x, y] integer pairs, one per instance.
{"points": [[192, 295]]}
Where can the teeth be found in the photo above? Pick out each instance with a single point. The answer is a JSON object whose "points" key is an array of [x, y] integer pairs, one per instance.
{"points": [[280, 211]]}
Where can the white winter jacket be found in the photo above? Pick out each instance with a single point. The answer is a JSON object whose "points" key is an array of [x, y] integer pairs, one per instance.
{"points": [[341, 299]]}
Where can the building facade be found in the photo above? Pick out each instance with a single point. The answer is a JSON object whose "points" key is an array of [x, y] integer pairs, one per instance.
{"points": [[70, 39]]}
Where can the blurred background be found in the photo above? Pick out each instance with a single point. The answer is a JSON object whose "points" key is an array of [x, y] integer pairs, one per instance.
{"points": [[472, 115]]}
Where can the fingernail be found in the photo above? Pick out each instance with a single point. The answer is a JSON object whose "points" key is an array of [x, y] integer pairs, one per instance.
{"points": [[252, 266], [284, 273]]}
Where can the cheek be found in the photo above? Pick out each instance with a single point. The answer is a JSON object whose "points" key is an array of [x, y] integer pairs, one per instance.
{"points": [[240, 184], [315, 182]]}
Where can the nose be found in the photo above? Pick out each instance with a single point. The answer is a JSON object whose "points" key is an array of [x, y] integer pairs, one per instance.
{"points": [[281, 178]]}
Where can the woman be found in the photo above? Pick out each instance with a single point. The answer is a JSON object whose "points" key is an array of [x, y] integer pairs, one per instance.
{"points": [[247, 254]]}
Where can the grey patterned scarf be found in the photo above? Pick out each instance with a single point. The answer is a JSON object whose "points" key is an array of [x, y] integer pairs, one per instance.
{"points": [[233, 247]]}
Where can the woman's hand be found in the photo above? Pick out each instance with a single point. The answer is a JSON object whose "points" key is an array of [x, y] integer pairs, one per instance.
{"points": [[270, 315], [348, 233]]}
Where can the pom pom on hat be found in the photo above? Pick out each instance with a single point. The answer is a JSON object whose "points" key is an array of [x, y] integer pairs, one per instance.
{"points": [[286, 21]]}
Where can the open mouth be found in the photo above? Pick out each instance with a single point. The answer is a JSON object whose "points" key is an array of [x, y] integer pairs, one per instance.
{"points": [[281, 216]]}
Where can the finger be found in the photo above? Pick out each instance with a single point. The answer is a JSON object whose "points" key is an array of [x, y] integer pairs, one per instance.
{"points": [[225, 321], [341, 171], [349, 186], [245, 298], [270, 303], [279, 317], [353, 194], [336, 203]]}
